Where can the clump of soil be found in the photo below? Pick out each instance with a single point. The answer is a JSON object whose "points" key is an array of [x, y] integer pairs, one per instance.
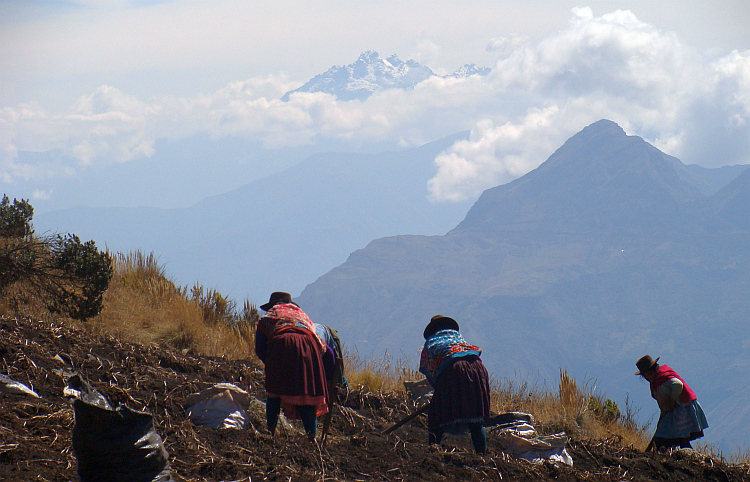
{"points": [[35, 433]]}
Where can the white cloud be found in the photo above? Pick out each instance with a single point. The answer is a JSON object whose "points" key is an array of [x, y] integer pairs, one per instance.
{"points": [[493, 155], [39, 194], [505, 46], [614, 67], [539, 93]]}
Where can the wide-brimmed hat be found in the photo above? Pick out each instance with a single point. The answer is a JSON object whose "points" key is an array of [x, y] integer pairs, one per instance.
{"points": [[645, 363], [439, 322], [276, 298]]}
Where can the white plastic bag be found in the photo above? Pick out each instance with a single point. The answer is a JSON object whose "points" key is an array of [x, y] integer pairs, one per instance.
{"points": [[222, 406]]}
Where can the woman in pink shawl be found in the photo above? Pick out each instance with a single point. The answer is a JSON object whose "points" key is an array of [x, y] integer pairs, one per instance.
{"points": [[682, 418], [296, 363]]}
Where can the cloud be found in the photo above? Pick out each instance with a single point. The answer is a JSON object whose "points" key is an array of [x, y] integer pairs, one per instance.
{"points": [[690, 104], [39, 194], [493, 155], [614, 67], [505, 46]]}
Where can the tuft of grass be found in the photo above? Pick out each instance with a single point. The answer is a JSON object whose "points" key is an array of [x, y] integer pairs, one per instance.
{"points": [[741, 457]]}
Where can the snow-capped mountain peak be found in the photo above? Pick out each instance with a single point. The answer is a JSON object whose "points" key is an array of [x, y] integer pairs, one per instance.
{"points": [[370, 73]]}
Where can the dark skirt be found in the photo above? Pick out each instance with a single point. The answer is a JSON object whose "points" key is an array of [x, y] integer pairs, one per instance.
{"points": [[462, 395], [295, 372]]}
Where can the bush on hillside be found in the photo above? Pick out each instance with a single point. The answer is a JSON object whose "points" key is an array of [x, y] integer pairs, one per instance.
{"points": [[15, 219], [65, 274]]}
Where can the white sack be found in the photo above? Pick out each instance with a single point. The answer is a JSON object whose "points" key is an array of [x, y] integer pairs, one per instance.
{"points": [[222, 406]]}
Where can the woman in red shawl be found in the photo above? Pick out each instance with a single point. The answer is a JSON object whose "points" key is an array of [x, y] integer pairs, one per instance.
{"points": [[296, 362], [682, 418]]}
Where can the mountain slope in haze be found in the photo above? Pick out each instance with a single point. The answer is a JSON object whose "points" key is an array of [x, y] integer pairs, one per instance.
{"points": [[607, 251], [370, 73], [281, 232]]}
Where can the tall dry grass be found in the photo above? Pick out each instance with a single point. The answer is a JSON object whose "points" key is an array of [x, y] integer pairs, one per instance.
{"points": [[379, 374], [143, 305], [573, 408]]}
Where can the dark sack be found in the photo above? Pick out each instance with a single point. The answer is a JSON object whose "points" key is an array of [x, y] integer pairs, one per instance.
{"points": [[114, 445]]}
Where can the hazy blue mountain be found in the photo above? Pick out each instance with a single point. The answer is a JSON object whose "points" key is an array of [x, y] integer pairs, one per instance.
{"points": [[280, 232], [370, 73], [607, 251], [179, 174], [710, 180]]}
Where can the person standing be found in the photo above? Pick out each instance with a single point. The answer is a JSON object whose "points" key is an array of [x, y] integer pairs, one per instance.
{"points": [[295, 360], [682, 419], [461, 399]]}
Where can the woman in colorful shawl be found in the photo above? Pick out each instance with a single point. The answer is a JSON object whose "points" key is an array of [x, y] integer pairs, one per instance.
{"points": [[682, 418], [295, 361], [461, 399]]}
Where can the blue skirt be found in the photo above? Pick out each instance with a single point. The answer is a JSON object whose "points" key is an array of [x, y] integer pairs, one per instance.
{"points": [[684, 422]]}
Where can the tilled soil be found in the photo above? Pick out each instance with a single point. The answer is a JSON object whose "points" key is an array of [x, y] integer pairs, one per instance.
{"points": [[35, 433]]}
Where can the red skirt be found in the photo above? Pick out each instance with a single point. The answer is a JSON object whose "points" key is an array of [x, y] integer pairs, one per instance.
{"points": [[462, 395], [295, 372]]}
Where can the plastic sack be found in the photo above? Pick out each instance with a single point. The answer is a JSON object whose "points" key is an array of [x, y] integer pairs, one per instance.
{"points": [[537, 448], [114, 445], [222, 406]]}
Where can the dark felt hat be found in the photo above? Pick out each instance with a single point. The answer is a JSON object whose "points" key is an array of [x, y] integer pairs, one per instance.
{"points": [[645, 363], [439, 322], [276, 298]]}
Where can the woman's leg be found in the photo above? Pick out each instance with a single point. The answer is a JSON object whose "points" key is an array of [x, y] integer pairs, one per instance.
{"points": [[309, 420], [478, 437], [273, 408]]}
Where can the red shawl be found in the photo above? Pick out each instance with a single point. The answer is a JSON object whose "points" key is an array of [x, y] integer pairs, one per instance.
{"points": [[664, 373], [285, 316]]}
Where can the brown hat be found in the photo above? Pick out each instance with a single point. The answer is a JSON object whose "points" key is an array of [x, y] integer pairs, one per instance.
{"points": [[277, 297], [645, 363], [439, 322]]}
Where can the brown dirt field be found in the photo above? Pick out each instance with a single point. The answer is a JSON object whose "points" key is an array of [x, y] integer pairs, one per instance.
{"points": [[35, 434]]}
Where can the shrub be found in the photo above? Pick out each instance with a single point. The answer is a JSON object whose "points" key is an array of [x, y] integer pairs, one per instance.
{"points": [[68, 276], [87, 272], [15, 219]]}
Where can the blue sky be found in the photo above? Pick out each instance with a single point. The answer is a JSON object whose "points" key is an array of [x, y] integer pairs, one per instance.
{"points": [[100, 82]]}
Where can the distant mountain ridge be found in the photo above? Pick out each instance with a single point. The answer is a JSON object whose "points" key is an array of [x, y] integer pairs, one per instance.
{"points": [[599, 185], [370, 73], [607, 251], [283, 231]]}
